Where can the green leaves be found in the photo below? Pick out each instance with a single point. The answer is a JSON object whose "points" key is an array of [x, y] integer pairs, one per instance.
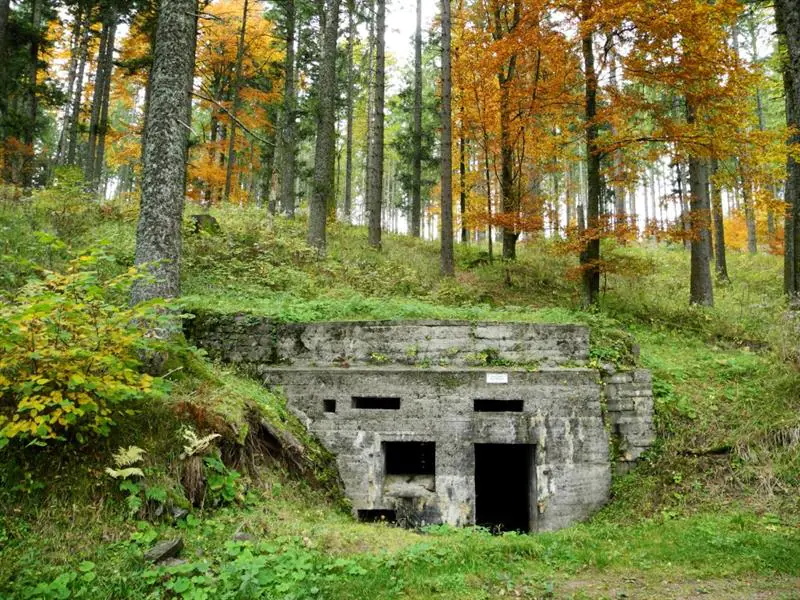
{"points": [[72, 347]]}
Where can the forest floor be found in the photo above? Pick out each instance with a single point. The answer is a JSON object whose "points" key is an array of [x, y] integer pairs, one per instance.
{"points": [[712, 512]]}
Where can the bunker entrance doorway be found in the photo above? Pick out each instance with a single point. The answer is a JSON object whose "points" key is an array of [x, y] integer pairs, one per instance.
{"points": [[504, 486]]}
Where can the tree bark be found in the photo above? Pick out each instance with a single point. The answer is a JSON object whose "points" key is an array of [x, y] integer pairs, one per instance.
{"points": [[325, 149], [348, 167], [590, 257], [787, 16], [447, 257], [72, 72], [509, 193], [158, 235], [287, 140], [749, 211], [416, 183], [719, 227], [375, 197], [102, 125], [77, 99], [33, 91], [235, 104], [701, 286], [462, 179], [5, 9]]}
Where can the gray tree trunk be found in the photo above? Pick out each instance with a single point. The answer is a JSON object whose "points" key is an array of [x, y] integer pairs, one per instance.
{"points": [[72, 72], [370, 100], [509, 193], [33, 91], [325, 149], [375, 197], [416, 182], [719, 226], [287, 139], [235, 104], [447, 257], [787, 16], [749, 213], [348, 167], [462, 179], [77, 99], [158, 235], [590, 257], [100, 100], [701, 285], [102, 125]]}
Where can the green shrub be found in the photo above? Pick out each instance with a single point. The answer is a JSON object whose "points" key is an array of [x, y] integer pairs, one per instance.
{"points": [[71, 354]]}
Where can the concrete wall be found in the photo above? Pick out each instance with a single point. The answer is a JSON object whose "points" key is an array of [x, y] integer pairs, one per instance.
{"points": [[578, 420], [254, 341], [629, 401], [561, 417]]}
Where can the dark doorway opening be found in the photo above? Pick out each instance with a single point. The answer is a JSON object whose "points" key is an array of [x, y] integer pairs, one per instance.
{"points": [[504, 485]]}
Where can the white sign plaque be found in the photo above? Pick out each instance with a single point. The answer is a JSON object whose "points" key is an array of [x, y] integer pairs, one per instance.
{"points": [[497, 378]]}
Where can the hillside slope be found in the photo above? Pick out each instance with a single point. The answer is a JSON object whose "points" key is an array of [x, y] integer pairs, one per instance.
{"points": [[714, 509]]}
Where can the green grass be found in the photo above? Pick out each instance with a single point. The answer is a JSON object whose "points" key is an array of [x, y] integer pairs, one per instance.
{"points": [[717, 498]]}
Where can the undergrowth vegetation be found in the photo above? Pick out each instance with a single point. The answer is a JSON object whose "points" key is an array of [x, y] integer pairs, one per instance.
{"points": [[107, 451]]}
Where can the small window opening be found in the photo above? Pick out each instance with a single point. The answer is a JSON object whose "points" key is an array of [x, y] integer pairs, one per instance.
{"points": [[376, 403], [498, 405], [329, 406], [377, 516], [410, 458]]}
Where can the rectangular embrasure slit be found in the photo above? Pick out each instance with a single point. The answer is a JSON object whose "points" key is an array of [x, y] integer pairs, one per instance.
{"points": [[329, 406], [376, 403], [377, 516], [498, 405]]}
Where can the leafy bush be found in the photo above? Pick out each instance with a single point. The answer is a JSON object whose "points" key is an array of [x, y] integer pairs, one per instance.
{"points": [[71, 354]]}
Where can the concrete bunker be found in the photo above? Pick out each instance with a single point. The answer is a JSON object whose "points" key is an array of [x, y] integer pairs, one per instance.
{"points": [[526, 446]]}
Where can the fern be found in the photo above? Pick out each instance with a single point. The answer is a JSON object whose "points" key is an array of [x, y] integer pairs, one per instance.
{"points": [[196, 445], [125, 457]]}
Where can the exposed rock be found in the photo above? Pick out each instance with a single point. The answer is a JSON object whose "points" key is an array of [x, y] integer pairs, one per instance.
{"points": [[164, 550]]}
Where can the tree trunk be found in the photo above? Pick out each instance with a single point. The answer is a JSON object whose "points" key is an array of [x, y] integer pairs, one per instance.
{"points": [[719, 226], [72, 72], [447, 257], [348, 168], [749, 211], [5, 9], [508, 191], [375, 198], [235, 104], [701, 286], [590, 257], [488, 175], [287, 140], [102, 125], [158, 235], [325, 149], [462, 179], [787, 16], [77, 99], [33, 92], [416, 183]]}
